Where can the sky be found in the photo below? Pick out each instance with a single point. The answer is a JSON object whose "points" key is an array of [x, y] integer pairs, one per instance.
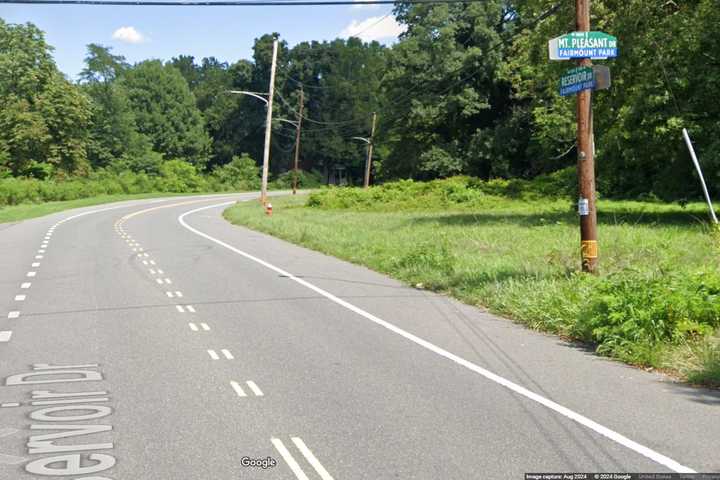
{"points": [[227, 33]]}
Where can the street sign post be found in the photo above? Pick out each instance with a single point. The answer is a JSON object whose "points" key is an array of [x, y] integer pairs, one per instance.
{"points": [[593, 45], [576, 80]]}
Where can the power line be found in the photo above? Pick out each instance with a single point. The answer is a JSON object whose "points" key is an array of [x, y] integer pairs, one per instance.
{"points": [[292, 109], [227, 3]]}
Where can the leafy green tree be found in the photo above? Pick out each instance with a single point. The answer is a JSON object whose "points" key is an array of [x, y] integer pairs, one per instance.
{"points": [[44, 118], [101, 66], [444, 95], [666, 71], [113, 132], [165, 111]]}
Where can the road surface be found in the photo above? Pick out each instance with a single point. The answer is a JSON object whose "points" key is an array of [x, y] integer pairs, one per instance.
{"points": [[153, 340]]}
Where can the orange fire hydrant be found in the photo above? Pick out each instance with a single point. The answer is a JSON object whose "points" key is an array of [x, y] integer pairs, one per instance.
{"points": [[268, 209]]}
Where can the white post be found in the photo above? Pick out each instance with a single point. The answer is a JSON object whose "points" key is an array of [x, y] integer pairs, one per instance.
{"points": [[268, 126], [702, 179]]}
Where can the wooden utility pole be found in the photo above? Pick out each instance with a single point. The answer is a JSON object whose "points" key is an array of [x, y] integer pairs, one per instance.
{"points": [[268, 126], [368, 162], [297, 139], [586, 157]]}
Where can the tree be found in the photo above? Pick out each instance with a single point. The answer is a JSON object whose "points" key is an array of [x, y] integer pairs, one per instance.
{"points": [[666, 72], [444, 94], [101, 66], [165, 111], [113, 132], [44, 118]]}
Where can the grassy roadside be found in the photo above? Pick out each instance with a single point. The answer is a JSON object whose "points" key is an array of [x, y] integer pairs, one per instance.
{"points": [[655, 304], [16, 213]]}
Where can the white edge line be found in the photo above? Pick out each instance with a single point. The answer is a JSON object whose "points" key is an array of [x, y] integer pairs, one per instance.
{"points": [[289, 459], [312, 460], [581, 419]]}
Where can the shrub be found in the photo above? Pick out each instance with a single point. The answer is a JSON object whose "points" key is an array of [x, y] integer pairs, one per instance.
{"points": [[629, 311], [179, 176], [242, 173], [306, 179]]}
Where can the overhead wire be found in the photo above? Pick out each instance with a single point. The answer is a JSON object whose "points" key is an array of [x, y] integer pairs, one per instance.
{"points": [[227, 3]]}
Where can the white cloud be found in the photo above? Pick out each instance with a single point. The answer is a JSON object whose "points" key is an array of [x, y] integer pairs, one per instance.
{"points": [[373, 28], [128, 35]]}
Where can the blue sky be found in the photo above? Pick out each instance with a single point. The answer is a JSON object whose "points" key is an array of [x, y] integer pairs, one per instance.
{"points": [[227, 33]]}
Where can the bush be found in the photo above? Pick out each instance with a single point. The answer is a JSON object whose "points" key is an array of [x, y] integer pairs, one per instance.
{"points": [[630, 312], [454, 191], [179, 176], [306, 179], [242, 173]]}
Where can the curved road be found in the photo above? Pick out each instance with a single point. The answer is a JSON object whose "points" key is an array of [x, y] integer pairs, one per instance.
{"points": [[153, 340]]}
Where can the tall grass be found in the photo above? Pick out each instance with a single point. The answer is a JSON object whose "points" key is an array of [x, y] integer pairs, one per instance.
{"points": [[655, 303]]}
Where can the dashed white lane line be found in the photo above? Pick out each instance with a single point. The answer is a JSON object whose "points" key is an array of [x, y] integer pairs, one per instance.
{"points": [[145, 262], [160, 272], [193, 327], [152, 262], [25, 285], [38, 257], [227, 354], [31, 274], [280, 447], [213, 355], [178, 294], [35, 264], [312, 460], [493, 377], [41, 250], [170, 294], [152, 272], [20, 298], [168, 281], [9, 404], [205, 327], [180, 308], [238, 389], [13, 314], [255, 389], [5, 335], [190, 308], [159, 281]]}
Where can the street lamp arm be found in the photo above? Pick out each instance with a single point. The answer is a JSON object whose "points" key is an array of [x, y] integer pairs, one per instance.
{"points": [[291, 122], [362, 139], [251, 94]]}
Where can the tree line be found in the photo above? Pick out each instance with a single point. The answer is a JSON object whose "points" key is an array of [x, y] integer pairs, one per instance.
{"points": [[467, 90]]}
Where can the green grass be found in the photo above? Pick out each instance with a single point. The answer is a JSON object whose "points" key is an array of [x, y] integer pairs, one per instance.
{"points": [[655, 303], [16, 213]]}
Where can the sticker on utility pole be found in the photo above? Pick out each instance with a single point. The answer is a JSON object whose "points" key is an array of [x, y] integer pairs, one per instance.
{"points": [[583, 207]]}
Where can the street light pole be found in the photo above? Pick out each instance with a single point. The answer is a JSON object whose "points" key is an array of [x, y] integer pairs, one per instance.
{"points": [[368, 162], [268, 127]]}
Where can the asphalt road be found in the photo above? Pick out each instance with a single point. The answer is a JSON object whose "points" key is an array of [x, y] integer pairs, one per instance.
{"points": [[153, 340]]}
